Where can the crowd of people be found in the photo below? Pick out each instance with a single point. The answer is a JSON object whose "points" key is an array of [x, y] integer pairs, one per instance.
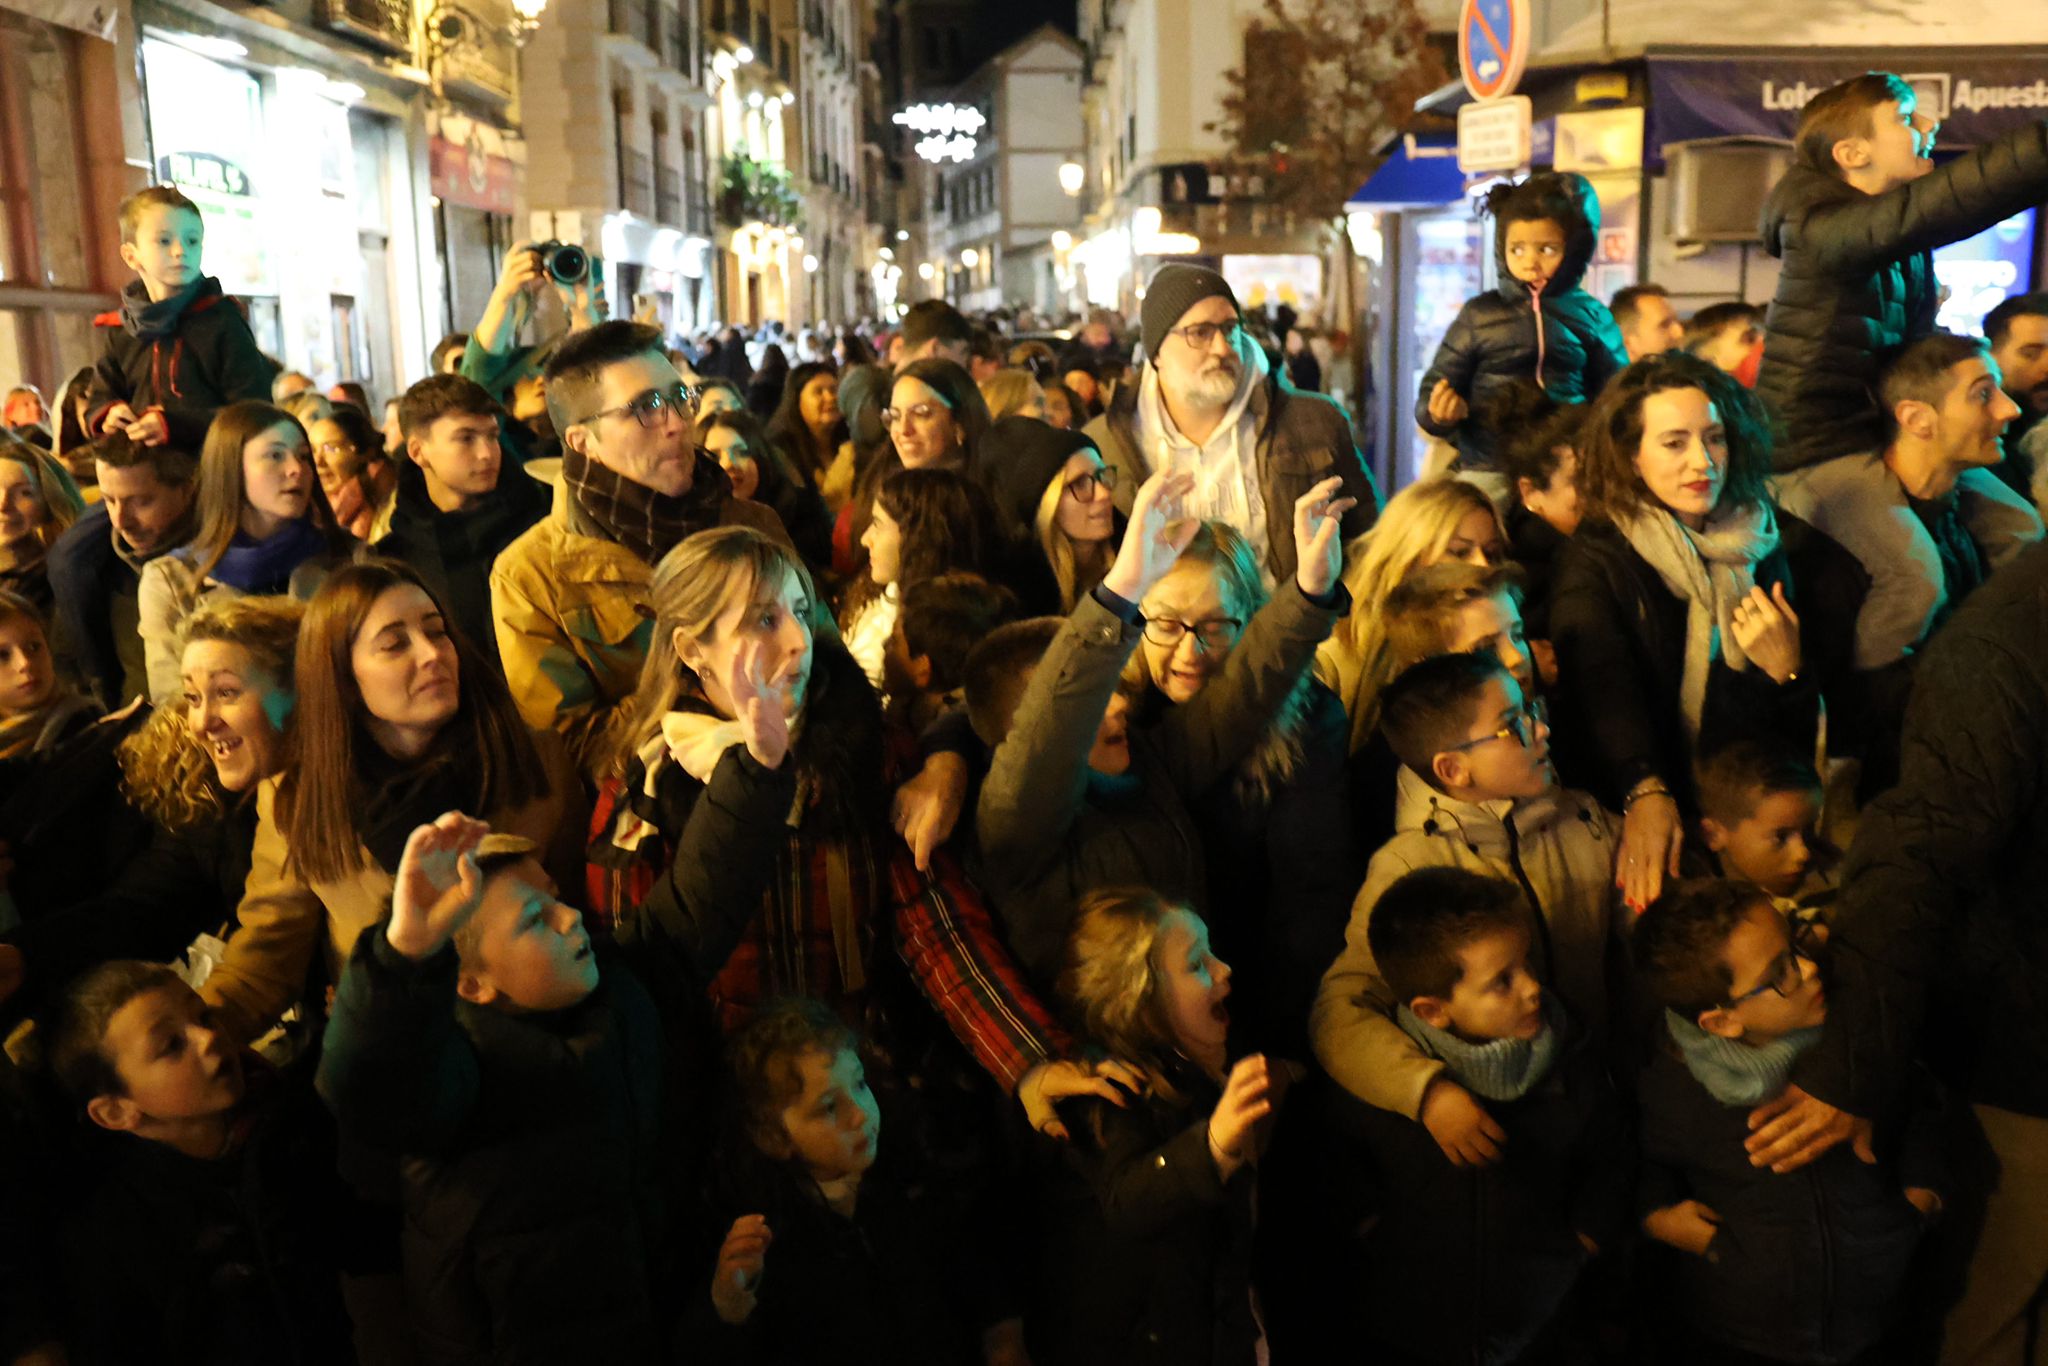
{"points": [[484, 878]]}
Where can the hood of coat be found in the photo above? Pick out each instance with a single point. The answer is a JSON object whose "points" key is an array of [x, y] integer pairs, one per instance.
{"points": [[1798, 193], [1480, 826], [1581, 234]]}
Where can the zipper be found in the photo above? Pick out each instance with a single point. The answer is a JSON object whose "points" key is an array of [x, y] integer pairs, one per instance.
{"points": [[1529, 890], [178, 347], [1536, 307]]}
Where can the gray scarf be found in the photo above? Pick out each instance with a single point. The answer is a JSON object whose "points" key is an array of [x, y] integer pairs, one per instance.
{"points": [[1500, 1069], [1734, 1072]]}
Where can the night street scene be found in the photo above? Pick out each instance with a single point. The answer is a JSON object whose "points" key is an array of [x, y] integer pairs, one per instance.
{"points": [[1023, 683]]}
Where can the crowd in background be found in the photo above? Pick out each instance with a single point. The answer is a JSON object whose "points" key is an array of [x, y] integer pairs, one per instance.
{"points": [[974, 840]]}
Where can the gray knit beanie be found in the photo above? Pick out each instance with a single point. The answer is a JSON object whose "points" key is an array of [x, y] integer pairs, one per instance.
{"points": [[1174, 290]]}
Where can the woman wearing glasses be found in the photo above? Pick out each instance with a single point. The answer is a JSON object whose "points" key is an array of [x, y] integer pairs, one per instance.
{"points": [[1672, 607], [1058, 500], [1276, 829], [935, 420], [348, 455]]}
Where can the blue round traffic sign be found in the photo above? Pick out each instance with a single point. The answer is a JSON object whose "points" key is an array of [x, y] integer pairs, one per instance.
{"points": [[1493, 46]]}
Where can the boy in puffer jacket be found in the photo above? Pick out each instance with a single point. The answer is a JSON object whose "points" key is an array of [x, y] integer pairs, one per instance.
{"points": [[1810, 1266], [1539, 323], [1477, 792], [178, 350]]}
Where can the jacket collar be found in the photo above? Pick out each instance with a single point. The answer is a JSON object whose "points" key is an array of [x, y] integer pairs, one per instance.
{"points": [[1480, 826]]}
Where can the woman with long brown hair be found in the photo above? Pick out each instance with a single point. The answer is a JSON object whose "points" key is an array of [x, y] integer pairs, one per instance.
{"points": [[264, 527], [38, 501], [935, 419], [397, 720], [926, 523]]}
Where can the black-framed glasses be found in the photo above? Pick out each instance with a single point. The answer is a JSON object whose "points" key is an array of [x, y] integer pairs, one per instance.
{"points": [[1521, 728], [923, 412], [1786, 976], [1213, 634], [1202, 335], [650, 408], [1083, 486]]}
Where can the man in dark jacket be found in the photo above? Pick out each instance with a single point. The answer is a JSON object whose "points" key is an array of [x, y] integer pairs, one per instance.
{"points": [[177, 350], [1208, 403], [1939, 943], [473, 1037], [460, 500], [146, 508], [2018, 333]]}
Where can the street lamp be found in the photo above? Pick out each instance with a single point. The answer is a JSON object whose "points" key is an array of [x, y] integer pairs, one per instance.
{"points": [[924, 270], [743, 54], [810, 264], [1062, 240], [1072, 177], [969, 257]]}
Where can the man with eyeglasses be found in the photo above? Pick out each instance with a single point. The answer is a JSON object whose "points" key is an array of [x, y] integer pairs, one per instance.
{"points": [[1209, 405], [572, 596]]}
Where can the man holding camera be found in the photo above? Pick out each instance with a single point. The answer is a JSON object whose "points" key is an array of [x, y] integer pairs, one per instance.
{"points": [[493, 357]]}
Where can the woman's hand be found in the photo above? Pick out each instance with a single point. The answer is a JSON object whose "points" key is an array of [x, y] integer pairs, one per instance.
{"points": [[1651, 837], [757, 705], [1447, 407], [1319, 537], [741, 1259], [1688, 1226], [438, 886], [1767, 629], [1157, 533], [1050, 1082], [927, 807]]}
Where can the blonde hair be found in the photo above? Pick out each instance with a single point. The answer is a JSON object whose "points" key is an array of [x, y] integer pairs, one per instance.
{"points": [[1413, 531], [166, 772], [1228, 557], [1073, 578], [1108, 983], [62, 503], [1006, 392], [693, 586]]}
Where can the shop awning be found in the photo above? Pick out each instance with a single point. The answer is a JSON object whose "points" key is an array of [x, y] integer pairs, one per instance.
{"points": [[1421, 168]]}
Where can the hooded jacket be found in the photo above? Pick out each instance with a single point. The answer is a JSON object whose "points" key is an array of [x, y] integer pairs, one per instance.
{"points": [[454, 551], [204, 360], [1559, 335], [1858, 281], [1559, 848]]}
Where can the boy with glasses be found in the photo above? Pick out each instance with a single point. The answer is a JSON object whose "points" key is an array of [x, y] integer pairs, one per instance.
{"points": [[1477, 792], [570, 596], [1771, 1267]]}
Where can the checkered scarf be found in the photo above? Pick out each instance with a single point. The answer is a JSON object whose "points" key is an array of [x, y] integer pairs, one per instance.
{"points": [[645, 522]]}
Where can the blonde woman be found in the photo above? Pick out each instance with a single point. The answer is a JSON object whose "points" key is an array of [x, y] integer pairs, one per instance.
{"points": [[1426, 523], [1013, 393], [1057, 500]]}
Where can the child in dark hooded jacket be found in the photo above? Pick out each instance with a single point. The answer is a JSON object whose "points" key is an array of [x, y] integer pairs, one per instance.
{"points": [[1538, 323]]}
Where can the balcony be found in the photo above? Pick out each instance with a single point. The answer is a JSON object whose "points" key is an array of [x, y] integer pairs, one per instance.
{"points": [[668, 195], [638, 20], [636, 188]]}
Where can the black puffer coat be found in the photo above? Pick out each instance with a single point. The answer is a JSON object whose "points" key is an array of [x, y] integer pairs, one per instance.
{"points": [[1562, 337], [1858, 280], [207, 361]]}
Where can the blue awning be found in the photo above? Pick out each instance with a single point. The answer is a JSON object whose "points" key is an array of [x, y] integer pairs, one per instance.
{"points": [[1420, 169]]}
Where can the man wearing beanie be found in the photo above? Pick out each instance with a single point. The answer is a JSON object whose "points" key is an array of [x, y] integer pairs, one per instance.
{"points": [[1207, 403]]}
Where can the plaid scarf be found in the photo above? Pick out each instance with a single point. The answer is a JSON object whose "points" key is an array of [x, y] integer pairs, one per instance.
{"points": [[645, 522]]}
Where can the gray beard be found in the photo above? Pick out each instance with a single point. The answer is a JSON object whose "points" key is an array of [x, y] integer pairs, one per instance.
{"points": [[1208, 392]]}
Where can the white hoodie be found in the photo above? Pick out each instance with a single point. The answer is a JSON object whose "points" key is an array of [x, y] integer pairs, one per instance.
{"points": [[1560, 848]]}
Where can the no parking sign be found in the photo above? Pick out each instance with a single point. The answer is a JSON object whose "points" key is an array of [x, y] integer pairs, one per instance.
{"points": [[1493, 46]]}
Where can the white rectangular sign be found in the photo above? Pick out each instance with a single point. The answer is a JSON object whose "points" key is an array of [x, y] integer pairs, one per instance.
{"points": [[1493, 135]]}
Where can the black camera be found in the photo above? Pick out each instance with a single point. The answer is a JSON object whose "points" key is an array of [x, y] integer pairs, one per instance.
{"points": [[566, 262]]}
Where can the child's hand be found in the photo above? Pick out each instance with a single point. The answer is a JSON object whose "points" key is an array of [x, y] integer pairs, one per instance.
{"points": [[1924, 1200], [150, 429], [926, 808], [438, 886], [1767, 629], [1050, 1082], [1247, 1099], [1447, 407], [1469, 1136], [118, 418], [757, 705], [1154, 538], [1688, 1226], [1319, 537], [740, 1261]]}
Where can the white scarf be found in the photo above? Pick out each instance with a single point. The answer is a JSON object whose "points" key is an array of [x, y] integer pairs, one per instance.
{"points": [[1226, 468], [1713, 570]]}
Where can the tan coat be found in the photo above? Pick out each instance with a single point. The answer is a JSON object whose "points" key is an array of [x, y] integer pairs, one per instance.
{"points": [[282, 917], [575, 613], [1559, 847]]}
